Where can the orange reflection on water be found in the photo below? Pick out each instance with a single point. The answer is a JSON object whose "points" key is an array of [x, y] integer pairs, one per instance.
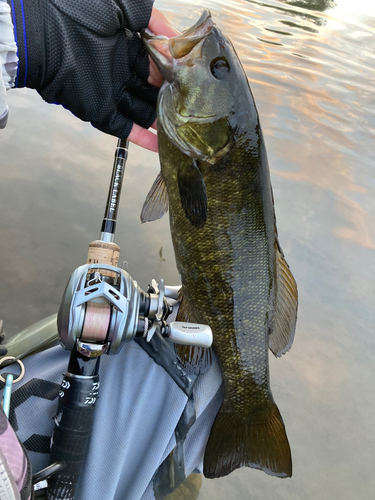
{"points": [[316, 138], [361, 221], [362, 224], [315, 362]]}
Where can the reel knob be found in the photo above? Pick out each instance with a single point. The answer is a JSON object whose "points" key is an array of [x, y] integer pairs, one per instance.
{"points": [[192, 334]]}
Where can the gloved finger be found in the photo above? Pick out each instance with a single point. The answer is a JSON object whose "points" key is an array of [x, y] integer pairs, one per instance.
{"points": [[137, 109], [144, 138], [143, 90], [143, 64], [137, 56], [115, 124]]}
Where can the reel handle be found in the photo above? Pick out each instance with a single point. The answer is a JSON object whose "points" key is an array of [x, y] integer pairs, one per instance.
{"points": [[192, 334]]}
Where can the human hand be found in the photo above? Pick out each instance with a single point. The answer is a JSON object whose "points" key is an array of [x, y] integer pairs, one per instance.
{"points": [[88, 56], [159, 26]]}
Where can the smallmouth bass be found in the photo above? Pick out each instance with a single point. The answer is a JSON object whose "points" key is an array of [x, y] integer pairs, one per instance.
{"points": [[215, 180]]}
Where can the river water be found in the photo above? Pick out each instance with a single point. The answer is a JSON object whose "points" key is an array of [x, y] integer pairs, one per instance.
{"points": [[311, 67]]}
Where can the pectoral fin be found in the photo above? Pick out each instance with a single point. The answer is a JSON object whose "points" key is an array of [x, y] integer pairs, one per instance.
{"points": [[285, 316], [156, 204], [193, 194]]}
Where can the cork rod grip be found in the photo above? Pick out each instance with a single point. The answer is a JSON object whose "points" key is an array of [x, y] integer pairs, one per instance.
{"points": [[103, 252]]}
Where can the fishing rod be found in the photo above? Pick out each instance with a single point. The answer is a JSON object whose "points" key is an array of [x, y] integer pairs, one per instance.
{"points": [[101, 309]]}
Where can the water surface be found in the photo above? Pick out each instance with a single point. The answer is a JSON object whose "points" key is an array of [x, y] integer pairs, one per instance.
{"points": [[311, 67]]}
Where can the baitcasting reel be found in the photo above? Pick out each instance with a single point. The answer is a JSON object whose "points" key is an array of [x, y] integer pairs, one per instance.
{"points": [[103, 307]]}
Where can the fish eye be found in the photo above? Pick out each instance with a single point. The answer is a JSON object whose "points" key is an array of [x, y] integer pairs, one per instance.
{"points": [[219, 67]]}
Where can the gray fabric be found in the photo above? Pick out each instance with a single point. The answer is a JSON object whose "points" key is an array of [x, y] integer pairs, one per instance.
{"points": [[10, 66], [8, 59], [4, 118], [138, 410], [8, 48]]}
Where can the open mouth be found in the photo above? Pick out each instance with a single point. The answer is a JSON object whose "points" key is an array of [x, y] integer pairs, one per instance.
{"points": [[166, 52]]}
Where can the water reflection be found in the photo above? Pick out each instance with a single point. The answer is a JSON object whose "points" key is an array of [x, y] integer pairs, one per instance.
{"points": [[319, 5], [313, 84], [297, 12]]}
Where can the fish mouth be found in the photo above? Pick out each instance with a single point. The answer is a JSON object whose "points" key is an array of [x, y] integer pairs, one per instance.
{"points": [[167, 53]]}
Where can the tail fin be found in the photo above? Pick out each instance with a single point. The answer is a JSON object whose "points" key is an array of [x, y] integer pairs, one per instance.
{"points": [[261, 443]]}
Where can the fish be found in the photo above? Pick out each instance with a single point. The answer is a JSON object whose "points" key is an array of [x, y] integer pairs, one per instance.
{"points": [[215, 182]]}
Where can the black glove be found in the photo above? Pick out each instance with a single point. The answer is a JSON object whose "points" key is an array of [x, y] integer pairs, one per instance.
{"points": [[88, 56]]}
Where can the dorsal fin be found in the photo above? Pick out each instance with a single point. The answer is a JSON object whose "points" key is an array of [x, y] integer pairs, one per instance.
{"points": [[156, 203], [285, 315]]}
